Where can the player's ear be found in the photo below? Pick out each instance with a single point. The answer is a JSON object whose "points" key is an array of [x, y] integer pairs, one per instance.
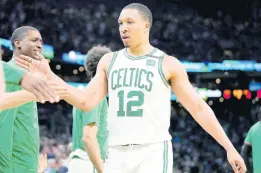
{"points": [[147, 26], [17, 44]]}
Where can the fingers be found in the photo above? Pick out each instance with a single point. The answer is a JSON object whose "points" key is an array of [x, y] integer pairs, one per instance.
{"points": [[22, 63], [47, 92], [50, 92], [241, 166], [38, 95], [25, 58], [234, 167], [40, 56], [61, 92]]}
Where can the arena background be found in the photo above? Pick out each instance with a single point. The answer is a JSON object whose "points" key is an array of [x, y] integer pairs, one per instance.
{"points": [[219, 43]]}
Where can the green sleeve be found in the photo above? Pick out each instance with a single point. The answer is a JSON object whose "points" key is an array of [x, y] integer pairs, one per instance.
{"points": [[12, 74], [249, 137], [91, 116]]}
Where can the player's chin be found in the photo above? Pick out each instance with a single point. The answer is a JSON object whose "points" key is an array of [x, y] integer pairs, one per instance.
{"points": [[126, 45]]}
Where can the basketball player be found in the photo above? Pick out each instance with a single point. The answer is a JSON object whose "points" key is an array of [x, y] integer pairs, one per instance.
{"points": [[139, 79], [19, 126], [252, 145], [90, 128]]}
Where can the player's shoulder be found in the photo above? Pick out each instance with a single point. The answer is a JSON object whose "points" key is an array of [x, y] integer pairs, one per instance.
{"points": [[256, 126], [172, 63], [108, 57]]}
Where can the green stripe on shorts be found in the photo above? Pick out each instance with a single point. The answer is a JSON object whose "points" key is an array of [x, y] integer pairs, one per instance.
{"points": [[165, 157]]}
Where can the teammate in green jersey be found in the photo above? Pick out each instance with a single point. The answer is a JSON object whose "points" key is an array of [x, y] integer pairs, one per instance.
{"points": [[19, 126], [252, 145], [90, 128]]}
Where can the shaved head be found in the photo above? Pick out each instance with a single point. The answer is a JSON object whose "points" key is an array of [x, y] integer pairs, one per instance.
{"points": [[20, 33], [143, 10]]}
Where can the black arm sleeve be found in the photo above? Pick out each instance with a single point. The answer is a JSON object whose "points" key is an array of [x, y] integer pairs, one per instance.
{"points": [[246, 151]]}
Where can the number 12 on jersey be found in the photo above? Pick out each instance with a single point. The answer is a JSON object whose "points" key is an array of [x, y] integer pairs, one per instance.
{"points": [[130, 104]]}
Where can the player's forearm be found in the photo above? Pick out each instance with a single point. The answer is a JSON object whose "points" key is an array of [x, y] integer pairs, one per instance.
{"points": [[18, 98], [93, 150], [208, 121], [75, 97]]}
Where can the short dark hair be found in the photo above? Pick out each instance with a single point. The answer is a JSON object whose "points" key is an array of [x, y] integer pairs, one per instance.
{"points": [[19, 33], [143, 10], [93, 57]]}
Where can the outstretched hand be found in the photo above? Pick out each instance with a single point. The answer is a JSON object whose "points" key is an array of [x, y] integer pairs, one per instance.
{"points": [[41, 65]]}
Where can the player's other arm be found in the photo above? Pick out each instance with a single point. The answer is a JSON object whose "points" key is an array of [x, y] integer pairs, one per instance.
{"points": [[200, 111]]}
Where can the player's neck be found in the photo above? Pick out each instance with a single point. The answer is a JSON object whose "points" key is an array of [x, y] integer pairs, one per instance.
{"points": [[16, 54], [140, 50]]}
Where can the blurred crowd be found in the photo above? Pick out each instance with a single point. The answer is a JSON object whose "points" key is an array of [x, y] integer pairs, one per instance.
{"points": [[179, 31]]}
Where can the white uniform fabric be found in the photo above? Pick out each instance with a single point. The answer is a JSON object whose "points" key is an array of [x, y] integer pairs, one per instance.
{"points": [[80, 164]]}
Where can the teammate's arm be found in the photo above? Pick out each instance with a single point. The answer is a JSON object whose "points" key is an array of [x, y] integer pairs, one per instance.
{"points": [[92, 146], [29, 82], [200, 111], [89, 137], [17, 98]]}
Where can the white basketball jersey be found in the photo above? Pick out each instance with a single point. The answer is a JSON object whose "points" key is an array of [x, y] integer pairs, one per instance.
{"points": [[139, 99]]}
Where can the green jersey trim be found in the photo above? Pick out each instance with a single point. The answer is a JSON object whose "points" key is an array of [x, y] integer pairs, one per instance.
{"points": [[115, 54], [165, 157], [139, 57], [161, 71]]}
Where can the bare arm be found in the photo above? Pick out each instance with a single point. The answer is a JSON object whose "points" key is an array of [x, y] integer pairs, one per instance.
{"points": [[95, 91], [92, 146], [18, 98], [198, 108], [200, 111]]}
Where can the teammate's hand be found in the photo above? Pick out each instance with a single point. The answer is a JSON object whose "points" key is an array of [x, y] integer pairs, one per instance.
{"points": [[41, 65], [60, 90], [236, 161], [42, 163], [39, 87]]}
